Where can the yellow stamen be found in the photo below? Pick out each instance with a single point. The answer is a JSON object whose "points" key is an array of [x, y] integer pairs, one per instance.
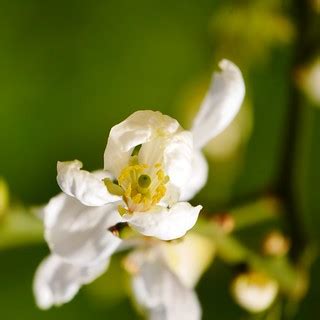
{"points": [[113, 188], [122, 210], [160, 175], [137, 198], [143, 186]]}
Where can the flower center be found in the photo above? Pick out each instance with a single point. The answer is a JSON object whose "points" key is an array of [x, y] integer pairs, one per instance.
{"points": [[140, 185], [144, 181], [143, 185]]}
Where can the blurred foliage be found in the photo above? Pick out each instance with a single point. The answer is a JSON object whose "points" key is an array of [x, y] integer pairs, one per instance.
{"points": [[4, 197], [308, 79], [19, 227], [248, 30], [71, 70]]}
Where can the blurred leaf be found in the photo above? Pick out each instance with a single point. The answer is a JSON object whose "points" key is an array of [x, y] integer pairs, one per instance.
{"points": [[268, 208], [20, 228], [4, 197], [71, 70], [247, 32]]}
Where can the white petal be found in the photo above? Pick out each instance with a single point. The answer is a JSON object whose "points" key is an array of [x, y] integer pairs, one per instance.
{"points": [[160, 292], [198, 177], [152, 151], [221, 104], [57, 282], [139, 128], [175, 152], [83, 185], [189, 257], [79, 233], [171, 197], [178, 156], [254, 291], [164, 223]]}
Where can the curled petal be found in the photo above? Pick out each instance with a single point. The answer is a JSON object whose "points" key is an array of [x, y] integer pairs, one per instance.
{"points": [[175, 152], [83, 185], [221, 104], [198, 178], [165, 223], [178, 156], [79, 234], [160, 292], [140, 127], [57, 282]]}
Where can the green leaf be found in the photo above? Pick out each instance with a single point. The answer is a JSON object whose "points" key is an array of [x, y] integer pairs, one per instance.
{"points": [[20, 227]]}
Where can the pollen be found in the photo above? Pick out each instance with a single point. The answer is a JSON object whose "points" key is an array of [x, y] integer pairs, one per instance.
{"points": [[137, 198], [143, 185], [160, 175]]}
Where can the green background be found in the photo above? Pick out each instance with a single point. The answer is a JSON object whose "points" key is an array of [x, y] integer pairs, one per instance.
{"points": [[70, 70]]}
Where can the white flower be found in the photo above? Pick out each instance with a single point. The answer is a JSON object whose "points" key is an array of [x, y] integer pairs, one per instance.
{"points": [[151, 168], [153, 165], [78, 233], [147, 181], [57, 282], [81, 234], [254, 291], [160, 292], [164, 275]]}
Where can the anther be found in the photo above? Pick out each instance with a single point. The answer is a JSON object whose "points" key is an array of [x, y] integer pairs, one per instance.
{"points": [[112, 187]]}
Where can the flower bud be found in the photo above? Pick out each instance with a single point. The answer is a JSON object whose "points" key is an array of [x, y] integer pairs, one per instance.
{"points": [[275, 244], [308, 80], [225, 221], [254, 291]]}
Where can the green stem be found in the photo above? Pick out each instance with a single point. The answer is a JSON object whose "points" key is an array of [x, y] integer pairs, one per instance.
{"points": [[290, 280], [259, 211]]}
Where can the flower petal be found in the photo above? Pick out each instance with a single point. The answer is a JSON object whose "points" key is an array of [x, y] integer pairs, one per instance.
{"points": [[83, 185], [164, 223], [174, 152], [221, 104], [189, 257], [78, 233], [198, 178], [140, 127], [160, 292], [171, 197], [178, 156], [254, 291], [57, 282]]}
